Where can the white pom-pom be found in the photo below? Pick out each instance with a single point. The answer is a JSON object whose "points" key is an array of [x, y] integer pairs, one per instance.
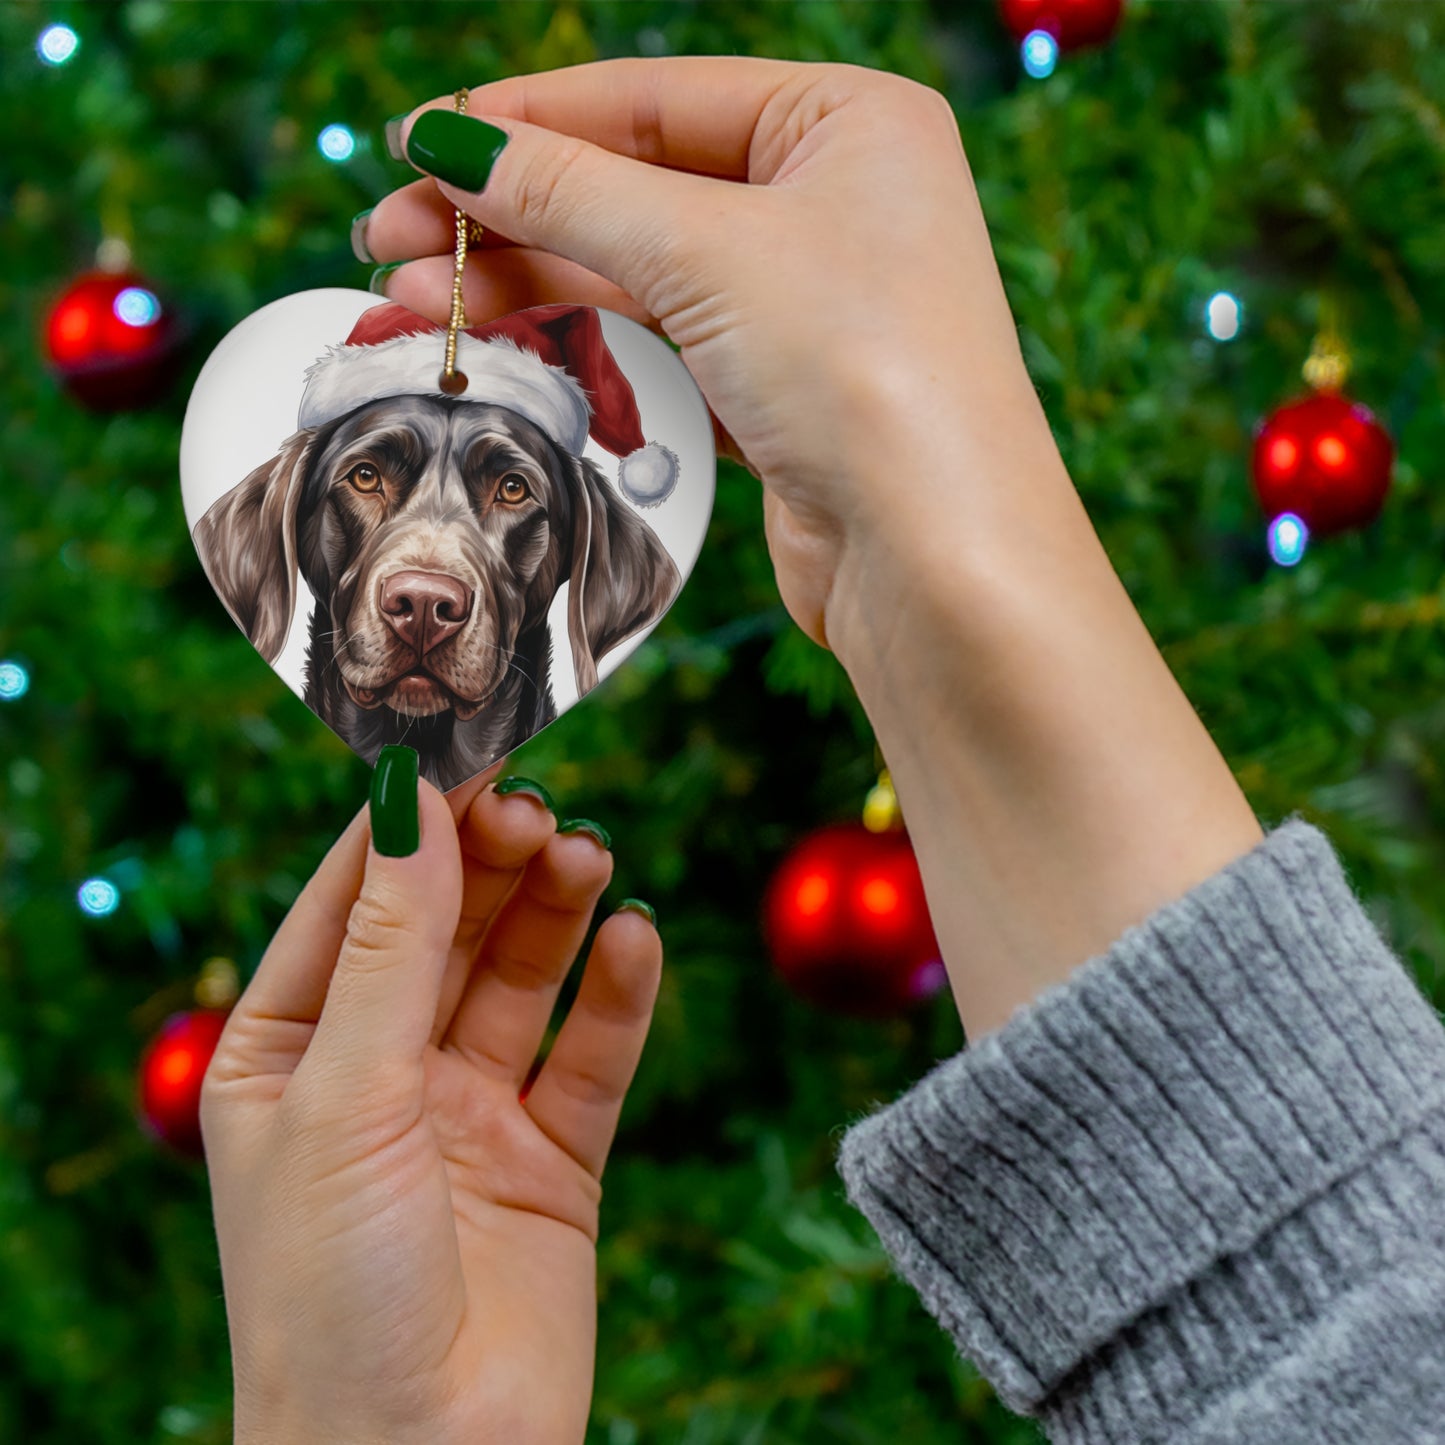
{"points": [[648, 475]]}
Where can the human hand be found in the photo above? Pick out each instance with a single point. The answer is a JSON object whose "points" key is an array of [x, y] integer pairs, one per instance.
{"points": [[408, 1248], [839, 311], [810, 237]]}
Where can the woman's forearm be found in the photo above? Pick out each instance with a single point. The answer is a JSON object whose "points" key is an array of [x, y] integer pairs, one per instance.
{"points": [[1056, 782]]}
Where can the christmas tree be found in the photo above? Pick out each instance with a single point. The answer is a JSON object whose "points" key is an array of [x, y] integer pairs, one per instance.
{"points": [[1212, 162]]}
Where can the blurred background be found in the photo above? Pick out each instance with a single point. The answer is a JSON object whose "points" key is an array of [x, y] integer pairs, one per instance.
{"points": [[1188, 206]]}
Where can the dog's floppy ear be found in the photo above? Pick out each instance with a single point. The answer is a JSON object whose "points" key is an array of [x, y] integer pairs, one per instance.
{"points": [[247, 544], [620, 577]]}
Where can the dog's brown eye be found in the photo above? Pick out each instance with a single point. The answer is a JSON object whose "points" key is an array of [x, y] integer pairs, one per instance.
{"points": [[364, 477], [513, 488]]}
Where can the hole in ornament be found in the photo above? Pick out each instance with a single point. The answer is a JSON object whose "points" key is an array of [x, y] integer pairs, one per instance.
{"points": [[454, 383]]}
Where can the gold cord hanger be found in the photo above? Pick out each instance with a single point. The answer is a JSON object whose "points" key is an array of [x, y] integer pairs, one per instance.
{"points": [[452, 381]]}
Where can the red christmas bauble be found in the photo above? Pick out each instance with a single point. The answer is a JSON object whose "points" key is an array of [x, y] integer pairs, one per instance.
{"points": [[1324, 458], [111, 341], [171, 1071], [847, 923], [1073, 23]]}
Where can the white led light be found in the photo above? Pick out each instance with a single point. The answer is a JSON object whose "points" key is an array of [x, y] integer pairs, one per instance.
{"points": [[57, 44], [1223, 316], [1040, 52], [1288, 538], [137, 307], [336, 143], [14, 681], [98, 897]]}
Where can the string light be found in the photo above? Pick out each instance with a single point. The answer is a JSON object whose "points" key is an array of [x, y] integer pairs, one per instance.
{"points": [[57, 44], [1223, 316], [336, 143], [1288, 538], [137, 307], [1040, 52], [98, 897], [14, 681]]}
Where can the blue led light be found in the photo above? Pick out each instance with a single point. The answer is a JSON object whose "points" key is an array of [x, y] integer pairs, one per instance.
{"points": [[1223, 316], [336, 143], [98, 897], [1288, 538], [1040, 52], [14, 681], [137, 307], [57, 44]]}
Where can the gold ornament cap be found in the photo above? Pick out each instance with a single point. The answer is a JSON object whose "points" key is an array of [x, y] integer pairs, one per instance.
{"points": [[1328, 365], [219, 985], [881, 813]]}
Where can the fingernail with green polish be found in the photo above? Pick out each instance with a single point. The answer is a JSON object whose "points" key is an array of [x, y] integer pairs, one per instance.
{"points": [[393, 136], [525, 785], [395, 825], [455, 148], [586, 825], [359, 248], [377, 284], [636, 905]]}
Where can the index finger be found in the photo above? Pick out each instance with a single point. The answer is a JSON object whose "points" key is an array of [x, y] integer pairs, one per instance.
{"points": [[695, 113]]}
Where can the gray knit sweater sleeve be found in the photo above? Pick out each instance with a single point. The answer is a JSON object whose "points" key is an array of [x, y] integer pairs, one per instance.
{"points": [[1196, 1192]]}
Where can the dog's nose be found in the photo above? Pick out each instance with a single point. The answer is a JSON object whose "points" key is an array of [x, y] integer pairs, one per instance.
{"points": [[424, 608]]}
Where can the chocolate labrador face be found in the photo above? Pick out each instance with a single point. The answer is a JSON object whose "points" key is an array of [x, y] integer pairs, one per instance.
{"points": [[434, 535]]}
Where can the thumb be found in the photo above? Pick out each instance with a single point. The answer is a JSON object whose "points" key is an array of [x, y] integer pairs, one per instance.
{"points": [[630, 222], [382, 999]]}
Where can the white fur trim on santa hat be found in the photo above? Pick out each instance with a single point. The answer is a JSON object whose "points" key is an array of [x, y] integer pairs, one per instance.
{"points": [[497, 371]]}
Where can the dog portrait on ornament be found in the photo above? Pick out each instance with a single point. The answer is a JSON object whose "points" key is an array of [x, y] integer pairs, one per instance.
{"points": [[433, 534]]}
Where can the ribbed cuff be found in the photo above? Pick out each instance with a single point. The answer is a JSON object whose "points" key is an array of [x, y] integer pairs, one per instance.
{"points": [[1126, 1195]]}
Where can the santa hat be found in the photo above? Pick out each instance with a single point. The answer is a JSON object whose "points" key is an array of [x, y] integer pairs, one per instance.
{"points": [[548, 364]]}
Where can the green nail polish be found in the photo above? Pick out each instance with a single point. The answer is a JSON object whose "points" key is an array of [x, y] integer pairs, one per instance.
{"points": [[525, 785], [586, 825], [636, 905], [393, 136], [395, 825], [455, 148], [359, 248], [377, 284]]}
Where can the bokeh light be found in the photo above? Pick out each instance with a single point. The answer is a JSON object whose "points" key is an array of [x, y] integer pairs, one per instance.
{"points": [[1040, 52], [813, 893], [98, 897], [1283, 454], [336, 143], [879, 897], [57, 44], [1288, 538], [1223, 316], [14, 681], [137, 307]]}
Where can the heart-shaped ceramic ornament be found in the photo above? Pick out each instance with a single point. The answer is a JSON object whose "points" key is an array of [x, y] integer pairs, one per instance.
{"points": [[449, 571]]}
